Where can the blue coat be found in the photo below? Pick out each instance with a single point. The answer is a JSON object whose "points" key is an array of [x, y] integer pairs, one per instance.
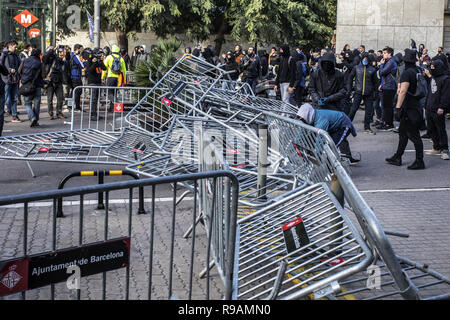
{"points": [[332, 121], [388, 73], [32, 65], [76, 66]]}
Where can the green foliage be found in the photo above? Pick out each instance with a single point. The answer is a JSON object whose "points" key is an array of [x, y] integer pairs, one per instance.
{"points": [[309, 23], [162, 58]]}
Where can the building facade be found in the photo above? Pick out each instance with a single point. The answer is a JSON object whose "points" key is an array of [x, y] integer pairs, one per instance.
{"points": [[27, 21], [380, 23]]}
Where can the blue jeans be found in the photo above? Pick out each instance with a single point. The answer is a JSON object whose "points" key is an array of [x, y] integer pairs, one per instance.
{"points": [[33, 111], [252, 82], [2, 112], [11, 91]]}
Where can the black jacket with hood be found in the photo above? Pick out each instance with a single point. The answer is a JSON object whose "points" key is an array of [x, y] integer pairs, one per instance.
{"points": [[286, 70], [438, 89], [365, 78], [327, 85]]}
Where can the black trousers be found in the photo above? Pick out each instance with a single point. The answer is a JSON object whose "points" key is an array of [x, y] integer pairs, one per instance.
{"points": [[55, 89], [77, 83], [409, 129], [298, 95], [94, 103], [340, 140], [388, 107], [368, 102], [437, 131], [111, 82]]}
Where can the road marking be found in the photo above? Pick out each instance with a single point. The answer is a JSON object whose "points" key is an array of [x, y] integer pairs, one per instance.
{"points": [[90, 202], [406, 190]]}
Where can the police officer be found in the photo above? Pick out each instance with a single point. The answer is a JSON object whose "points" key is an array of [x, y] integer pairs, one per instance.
{"points": [[407, 111]]}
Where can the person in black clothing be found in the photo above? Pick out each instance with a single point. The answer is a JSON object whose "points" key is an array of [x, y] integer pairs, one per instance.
{"points": [[94, 68], [346, 66], [438, 103], [4, 72], [31, 70], [326, 85], [365, 78], [263, 57], [126, 57], [230, 64], [53, 69], [407, 111], [286, 74], [251, 66], [301, 68]]}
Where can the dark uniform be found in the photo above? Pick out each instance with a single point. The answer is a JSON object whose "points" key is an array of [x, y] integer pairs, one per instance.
{"points": [[410, 116]]}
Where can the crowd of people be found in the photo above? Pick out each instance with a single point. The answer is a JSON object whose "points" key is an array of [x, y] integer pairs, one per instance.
{"points": [[405, 92], [57, 71]]}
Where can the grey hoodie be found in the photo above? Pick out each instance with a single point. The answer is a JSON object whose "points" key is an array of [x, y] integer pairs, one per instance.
{"points": [[307, 113]]}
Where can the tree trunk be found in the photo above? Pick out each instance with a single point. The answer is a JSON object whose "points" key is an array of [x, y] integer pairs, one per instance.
{"points": [[122, 39], [220, 39]]}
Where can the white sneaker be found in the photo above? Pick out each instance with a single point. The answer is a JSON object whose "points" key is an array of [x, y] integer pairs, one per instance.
{"points": [[444, 155], [433, 153]]}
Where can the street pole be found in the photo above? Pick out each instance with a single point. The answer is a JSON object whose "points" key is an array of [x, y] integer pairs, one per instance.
{"points": [[54, 16], [97, 23]]}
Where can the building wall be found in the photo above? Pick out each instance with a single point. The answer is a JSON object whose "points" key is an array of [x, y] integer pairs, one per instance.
{"points": [[380, 23]]}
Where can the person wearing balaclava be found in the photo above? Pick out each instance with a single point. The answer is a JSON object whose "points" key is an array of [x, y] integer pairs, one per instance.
{"points": [[407, 111], [365, 83], [285, 79], [126, 57], [437, 105], [327, 85], [335, 123]]}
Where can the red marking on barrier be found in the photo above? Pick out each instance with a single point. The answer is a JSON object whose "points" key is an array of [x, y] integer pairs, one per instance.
{"points": [[292, 224], [138, 150], [118, 107], [14, 277], [334, 262], [166, 101], [44, 149], [229, 150], [45, 140]]}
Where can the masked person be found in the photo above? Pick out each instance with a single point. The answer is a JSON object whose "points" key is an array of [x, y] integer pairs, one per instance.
{"points": [[286, 74], [365, 78], [326, 85], [408, 113], [438, 103], [335, 123]]}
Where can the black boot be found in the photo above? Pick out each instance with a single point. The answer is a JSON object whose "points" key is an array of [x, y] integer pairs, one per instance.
{"points": [[395, 161], [417, 165]]}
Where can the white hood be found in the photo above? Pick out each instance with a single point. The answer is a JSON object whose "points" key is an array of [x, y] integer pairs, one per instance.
{"points": [[307, 112]]}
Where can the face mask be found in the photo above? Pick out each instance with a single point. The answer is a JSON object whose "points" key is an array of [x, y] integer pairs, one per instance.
{"points": [[327, 66], [365, 62]]}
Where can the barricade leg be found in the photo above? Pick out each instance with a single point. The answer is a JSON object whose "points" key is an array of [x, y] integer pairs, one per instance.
{"points": [[31, 169], [101, 180]]}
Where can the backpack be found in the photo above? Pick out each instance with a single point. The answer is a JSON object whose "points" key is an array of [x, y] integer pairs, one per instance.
{"points": [[421, 87], [116, 67]]}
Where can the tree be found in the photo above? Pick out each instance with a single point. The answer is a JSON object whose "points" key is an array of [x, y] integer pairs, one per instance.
{"points": [[307, 22]]}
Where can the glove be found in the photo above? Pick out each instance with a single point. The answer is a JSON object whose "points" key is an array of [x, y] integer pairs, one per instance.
{"points": [[397, 114], [323, 102]]}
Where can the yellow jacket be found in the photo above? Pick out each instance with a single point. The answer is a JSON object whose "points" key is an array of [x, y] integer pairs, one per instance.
{"points": [[108, 63]]}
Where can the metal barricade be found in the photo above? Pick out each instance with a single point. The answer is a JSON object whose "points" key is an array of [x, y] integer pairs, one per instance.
{"points": [[119, 255], [103, 108]]}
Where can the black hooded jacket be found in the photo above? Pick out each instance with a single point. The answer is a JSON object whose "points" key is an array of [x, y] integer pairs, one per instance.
{"points": [[438, 89], [365, 78], [324, 85], [231, 65], [286, 70]]}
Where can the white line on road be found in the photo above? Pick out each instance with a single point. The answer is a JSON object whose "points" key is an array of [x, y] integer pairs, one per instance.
{"points": [[406, 190], [90, 202]]}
